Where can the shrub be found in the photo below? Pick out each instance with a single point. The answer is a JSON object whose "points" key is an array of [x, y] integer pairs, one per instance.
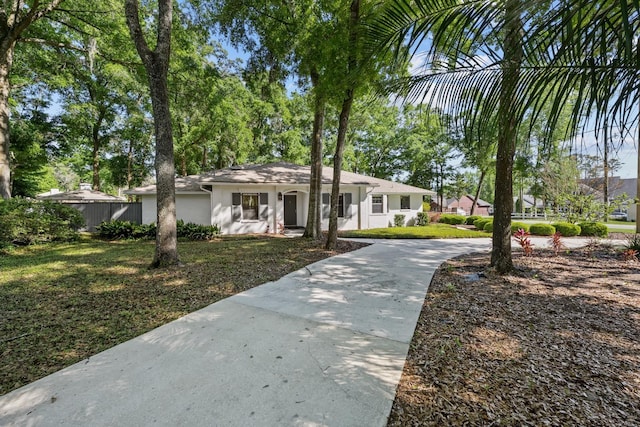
{"points": [[193, 231], [542, 229], [556, 242], [596, 229], [27, 222], [522, 237], [633, 242], [470, 219], [567, 229], [398, 220], [515, 226], [480, 223], [116, 230], [422, 219], [452, 219], [488, 227]]}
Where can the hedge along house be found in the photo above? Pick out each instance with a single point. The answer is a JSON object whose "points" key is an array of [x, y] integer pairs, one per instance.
{"points": [[267, 198]]}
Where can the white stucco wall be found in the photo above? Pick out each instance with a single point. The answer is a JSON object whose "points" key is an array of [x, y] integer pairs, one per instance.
{"points": [[221, 213], [351, 222], [216, 208], [391, 207], [189, 208]]}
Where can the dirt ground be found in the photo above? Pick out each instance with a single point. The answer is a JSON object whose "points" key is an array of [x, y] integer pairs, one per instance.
{"points": [[556, 343]]}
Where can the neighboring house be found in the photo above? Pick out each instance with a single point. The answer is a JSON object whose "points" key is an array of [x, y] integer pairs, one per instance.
{"points": [[76, 196], [616, 186], [464, 205], [264, 198], [529, 203]]}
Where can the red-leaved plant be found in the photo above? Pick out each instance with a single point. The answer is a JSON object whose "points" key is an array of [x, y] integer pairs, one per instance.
{"points": [[556, 242], [630, 255], [522, 237]]}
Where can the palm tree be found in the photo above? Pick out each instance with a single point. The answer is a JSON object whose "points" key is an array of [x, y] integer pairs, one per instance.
{"points": [[516, 58]]}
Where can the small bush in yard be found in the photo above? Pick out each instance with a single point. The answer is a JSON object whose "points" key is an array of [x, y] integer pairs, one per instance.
{"points": [[633, 242], [522, 237], [488, 227], [556, 242], [480, 223], [470, 219], [27, 222], [630, 255], [422, 218], [121, 230], [398, 220], [595, 229], [452, 219], [193, 231], [515, 226], [567, 229], [542, 229]]}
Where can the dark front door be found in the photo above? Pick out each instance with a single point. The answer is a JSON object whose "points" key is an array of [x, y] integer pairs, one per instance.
{"points": [[290, 210]]}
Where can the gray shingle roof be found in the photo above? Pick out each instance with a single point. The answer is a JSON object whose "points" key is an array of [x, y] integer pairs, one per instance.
{"points": [[80, 196], [280, 173]]}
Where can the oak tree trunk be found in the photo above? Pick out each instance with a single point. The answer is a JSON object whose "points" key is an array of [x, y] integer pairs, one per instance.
{"points": [[156, 63], [343, 125], [6, 62], [313, 228]]}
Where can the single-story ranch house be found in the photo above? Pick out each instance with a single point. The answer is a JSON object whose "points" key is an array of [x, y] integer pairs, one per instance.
{"points": [[265, 198]]}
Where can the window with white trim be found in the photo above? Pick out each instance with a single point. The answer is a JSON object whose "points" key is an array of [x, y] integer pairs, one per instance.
{"points": [[405, 202], [250, 207], [376, 204]]}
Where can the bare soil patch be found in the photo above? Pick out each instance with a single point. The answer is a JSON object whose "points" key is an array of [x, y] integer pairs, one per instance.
{"points": [[555, 343]]}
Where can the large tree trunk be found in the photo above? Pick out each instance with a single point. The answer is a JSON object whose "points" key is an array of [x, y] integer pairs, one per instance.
{"points": [[157, 65], [507, 135], [95, 135], [343, 125], [6, 61], [313, 229]]}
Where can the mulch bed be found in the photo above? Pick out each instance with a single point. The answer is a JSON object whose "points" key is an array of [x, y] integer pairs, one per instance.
{"points": [[555, 343]]}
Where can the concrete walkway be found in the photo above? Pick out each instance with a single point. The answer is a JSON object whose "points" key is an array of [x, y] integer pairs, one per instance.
{"points": [[323, 346]]}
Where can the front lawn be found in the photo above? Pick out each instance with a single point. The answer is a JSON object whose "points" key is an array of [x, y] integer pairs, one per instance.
{"points": [[431, 231], [62, 303]]}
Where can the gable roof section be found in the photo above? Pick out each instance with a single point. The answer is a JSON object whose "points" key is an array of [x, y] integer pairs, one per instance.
{"points": [[280, 173], [80, 196]]}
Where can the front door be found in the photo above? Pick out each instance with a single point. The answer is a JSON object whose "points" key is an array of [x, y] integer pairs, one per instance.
{"points": [[290, 210]]}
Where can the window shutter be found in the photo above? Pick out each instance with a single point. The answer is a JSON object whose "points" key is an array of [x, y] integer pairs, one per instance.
{"points": [[264, 206], [326, 206], [347, 205], [236, 207]]}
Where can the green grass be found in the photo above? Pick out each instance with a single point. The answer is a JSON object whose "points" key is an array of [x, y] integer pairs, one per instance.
{"points": [[431, 231], [62, 303]]}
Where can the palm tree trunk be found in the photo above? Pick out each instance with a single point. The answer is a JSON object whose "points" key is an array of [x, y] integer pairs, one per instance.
{"points": [[507, 135]]}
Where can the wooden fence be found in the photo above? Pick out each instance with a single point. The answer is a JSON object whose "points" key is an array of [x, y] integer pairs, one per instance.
{"points": [[96, 212]]}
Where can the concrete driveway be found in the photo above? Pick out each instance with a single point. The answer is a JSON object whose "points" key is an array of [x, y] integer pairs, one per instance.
{"points": [[323, 346]]}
